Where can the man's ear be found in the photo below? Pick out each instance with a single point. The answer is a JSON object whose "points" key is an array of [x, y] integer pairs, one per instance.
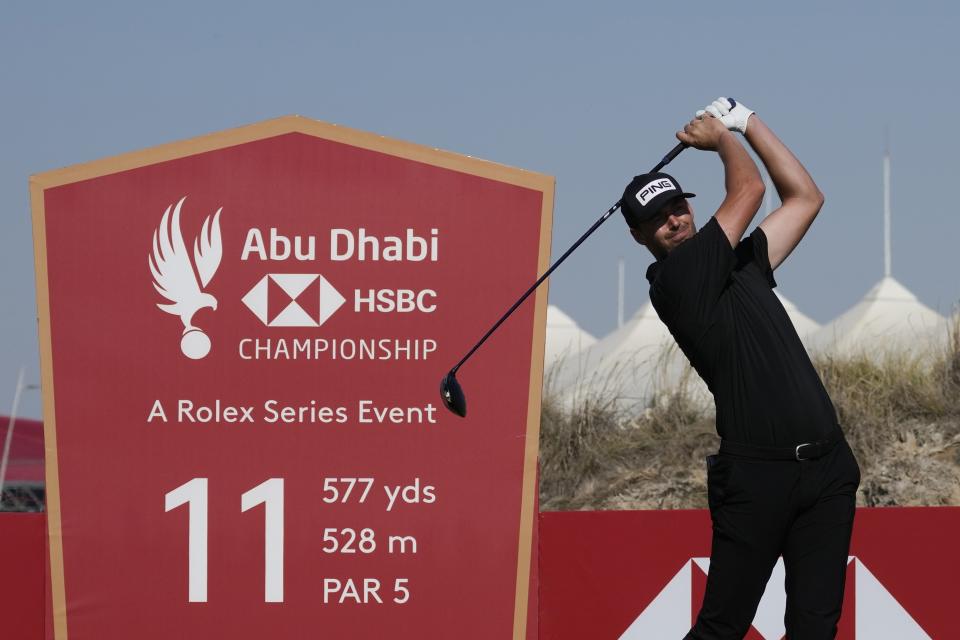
{"points": [[638, 236]]}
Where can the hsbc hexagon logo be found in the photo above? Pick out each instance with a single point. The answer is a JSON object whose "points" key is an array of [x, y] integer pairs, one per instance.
{"points": [[293, 300], [877, 614]]}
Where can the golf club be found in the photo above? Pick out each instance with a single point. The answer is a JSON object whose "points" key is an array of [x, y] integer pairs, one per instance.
{"points": [[450, 389]]}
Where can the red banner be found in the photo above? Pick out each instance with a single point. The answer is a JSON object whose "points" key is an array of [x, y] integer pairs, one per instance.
{"points": [[242, 338], [23, 583], [635, 575]]}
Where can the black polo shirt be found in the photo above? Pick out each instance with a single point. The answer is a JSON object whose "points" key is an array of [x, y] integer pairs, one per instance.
{"points": [[720, 307]]}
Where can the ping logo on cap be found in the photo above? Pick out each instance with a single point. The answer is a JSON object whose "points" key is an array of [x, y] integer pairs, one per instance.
{"points": [[654, 188]]}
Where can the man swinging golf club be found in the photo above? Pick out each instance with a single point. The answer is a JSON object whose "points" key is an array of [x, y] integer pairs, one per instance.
{"points": [[784, 481]]}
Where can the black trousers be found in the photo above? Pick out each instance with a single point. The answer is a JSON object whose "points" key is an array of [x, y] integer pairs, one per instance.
{"points": [[762, 509]]}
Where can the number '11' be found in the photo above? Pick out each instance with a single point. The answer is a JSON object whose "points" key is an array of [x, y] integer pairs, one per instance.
{"points": [[195, 495]]}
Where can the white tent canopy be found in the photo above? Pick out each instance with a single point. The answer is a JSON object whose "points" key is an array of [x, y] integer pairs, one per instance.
{"points": [[630, 365], [888, 319], [639, 360], [804, 324], [564, 337]]}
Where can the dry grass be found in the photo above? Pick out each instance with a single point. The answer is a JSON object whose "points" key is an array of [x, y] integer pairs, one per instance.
{"points": [[901, 415], [601, 456]]}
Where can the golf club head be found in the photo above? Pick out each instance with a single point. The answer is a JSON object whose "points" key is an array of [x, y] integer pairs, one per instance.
{"points": [[452, 395]]}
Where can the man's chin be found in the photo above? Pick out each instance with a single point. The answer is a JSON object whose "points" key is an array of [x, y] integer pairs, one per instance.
{"points": [[677, 240]]}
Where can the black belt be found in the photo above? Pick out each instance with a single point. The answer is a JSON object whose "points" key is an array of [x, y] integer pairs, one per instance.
{"points": [[804, 451]]}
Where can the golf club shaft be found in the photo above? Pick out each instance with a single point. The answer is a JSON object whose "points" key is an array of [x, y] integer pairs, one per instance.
{"points": [[667, 159], [664, 162]]}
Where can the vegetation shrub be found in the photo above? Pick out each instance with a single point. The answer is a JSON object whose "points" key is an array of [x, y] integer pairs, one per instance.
{"points": [[899, 411]]}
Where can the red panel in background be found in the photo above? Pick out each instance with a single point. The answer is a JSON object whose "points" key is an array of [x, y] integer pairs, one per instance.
{"points": [[115, 355], [22, 578], [600, 571], [26, 450], [915, 553]]}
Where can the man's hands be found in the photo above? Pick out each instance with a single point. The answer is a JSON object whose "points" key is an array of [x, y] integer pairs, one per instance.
{"points": [[742, 180], [703, 133], [731, 113]]}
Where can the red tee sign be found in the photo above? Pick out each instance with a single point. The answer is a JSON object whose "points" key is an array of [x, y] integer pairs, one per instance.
{"points": [[242, 339]]}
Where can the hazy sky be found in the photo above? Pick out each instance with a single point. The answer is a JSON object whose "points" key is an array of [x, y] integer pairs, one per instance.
{"points": [[591, 93]]}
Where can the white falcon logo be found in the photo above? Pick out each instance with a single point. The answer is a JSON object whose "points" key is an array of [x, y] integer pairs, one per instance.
{"points": [[174, 277]]}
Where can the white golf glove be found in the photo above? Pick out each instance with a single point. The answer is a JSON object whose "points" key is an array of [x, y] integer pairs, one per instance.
{"points": [[731, 113]]}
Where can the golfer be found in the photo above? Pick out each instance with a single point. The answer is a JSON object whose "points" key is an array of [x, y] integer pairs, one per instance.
{"points": [[784, 481]]}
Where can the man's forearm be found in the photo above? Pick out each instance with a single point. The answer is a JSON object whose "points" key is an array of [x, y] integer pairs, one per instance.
{"points": [[740, 171], [744, 188], [789, 176]]}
